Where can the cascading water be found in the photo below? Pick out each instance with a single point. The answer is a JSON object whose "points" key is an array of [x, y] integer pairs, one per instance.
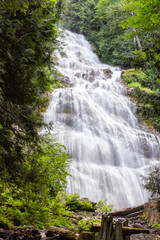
{"points": [[93, 118]]}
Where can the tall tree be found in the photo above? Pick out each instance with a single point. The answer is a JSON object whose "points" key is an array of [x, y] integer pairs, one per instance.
{"points": [[33, 168], [99, 22], [112, 44], [144, 21], [28, 32]]}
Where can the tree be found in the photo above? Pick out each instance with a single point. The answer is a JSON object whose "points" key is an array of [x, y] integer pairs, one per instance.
{"points": [[99, 22], [144, 21], [42, 175], [152, 182], [33, 168], [28, 37], [113, 46], [80, 16]]}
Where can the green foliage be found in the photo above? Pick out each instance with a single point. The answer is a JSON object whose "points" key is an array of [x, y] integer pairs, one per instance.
{"points": [[39, 212], [103, 207], [34, 198], [99, 22], [146, 14], [144, 22], [74, 203], [87, 205], [156, 225], [86, 225], [61, 221], [33, 168], [80, 16], [111, 38], [27, 41], [146, 92], [152, 181]]}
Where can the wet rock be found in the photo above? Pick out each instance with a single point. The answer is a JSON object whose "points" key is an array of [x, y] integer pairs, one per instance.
{"points": [[92, 76], [64, 79], [107, 72], [130, 91]]}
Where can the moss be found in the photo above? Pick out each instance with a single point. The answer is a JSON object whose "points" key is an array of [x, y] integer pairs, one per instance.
{"points": [[145, 93]]}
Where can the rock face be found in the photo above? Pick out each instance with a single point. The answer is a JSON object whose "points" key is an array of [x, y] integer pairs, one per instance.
{"points": [[152, 211]]}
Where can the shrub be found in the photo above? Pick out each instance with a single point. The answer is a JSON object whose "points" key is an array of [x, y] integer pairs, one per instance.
{"points": [[103, 207], [74, 203]]}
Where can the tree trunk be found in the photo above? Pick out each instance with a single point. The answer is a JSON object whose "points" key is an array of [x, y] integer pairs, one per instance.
{"points": [[118, 231], [106, 228]]}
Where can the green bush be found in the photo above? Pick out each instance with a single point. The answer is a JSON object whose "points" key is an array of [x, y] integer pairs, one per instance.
{"points": [[87, 205], [103, 207], [74, 203], [84, 225]]}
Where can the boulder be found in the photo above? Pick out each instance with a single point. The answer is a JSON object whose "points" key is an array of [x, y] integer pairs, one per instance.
{"points": [[64, 79], [61, 233], [107, 72], [85, 235]]}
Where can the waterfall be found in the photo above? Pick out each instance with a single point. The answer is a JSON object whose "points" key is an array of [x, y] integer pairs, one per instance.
{"points": [[95, 120]]}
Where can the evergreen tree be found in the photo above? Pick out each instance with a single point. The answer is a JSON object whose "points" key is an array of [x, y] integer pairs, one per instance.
{"points": [[144, 22], [99, 22], [28, 37], [33, 168]]}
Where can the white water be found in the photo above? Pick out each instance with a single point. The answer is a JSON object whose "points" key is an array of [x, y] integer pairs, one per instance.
{"points": [[95, 121]]}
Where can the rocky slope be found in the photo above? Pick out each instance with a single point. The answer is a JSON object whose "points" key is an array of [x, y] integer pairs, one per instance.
{"points": [[146, 220]]}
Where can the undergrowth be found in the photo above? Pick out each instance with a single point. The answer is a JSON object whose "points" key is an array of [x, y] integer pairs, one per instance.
{"points": [[58, 211], [146, 92]]}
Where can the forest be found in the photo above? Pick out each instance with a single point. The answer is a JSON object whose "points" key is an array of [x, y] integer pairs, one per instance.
{"points": [[33, 166]]}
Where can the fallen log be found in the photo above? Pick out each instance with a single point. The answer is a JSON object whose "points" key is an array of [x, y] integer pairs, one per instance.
{"points": [[125, 211], [129, 231]]}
